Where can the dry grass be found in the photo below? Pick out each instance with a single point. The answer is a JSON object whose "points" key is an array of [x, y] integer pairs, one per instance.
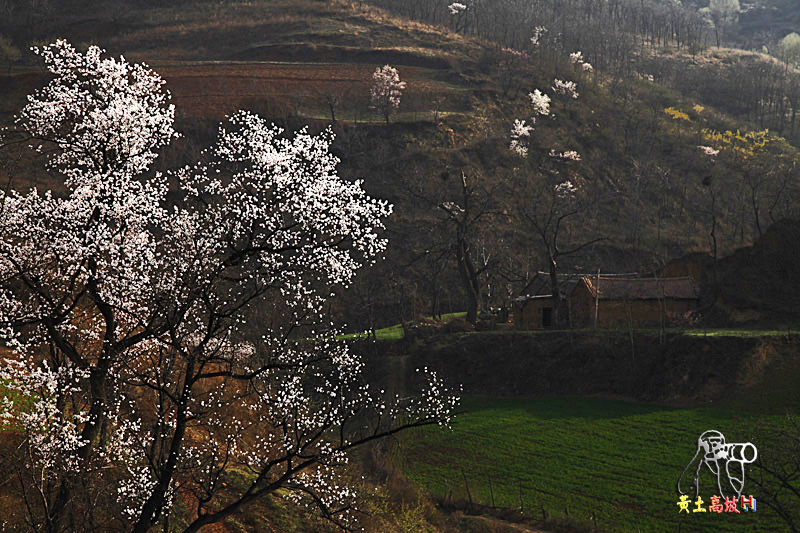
{"points": [[215, 89], [219, 30], [276, 57]]}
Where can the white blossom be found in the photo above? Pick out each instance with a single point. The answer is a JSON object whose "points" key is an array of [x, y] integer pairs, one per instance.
{"points": [[518, 148], [456, 7], [568, 88], [538, 33], [386, 91], [576, 57], [540, 101], [570, 155], [518, 131], [565, 190], [124, 306], [708, 151]]}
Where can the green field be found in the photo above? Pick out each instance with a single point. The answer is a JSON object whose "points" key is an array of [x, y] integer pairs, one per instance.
{"points": [[617, 459], [394, 332]]}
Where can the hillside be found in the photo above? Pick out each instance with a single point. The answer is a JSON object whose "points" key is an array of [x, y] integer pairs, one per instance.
{"points": [[763, 22], [301, 62], [657, 156]]}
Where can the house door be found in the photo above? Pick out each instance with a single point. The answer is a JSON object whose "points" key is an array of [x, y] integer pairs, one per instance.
{"points": [[547, 317]]}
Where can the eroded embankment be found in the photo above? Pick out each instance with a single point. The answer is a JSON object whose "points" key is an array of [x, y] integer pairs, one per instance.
{"points": [[673, 369]]}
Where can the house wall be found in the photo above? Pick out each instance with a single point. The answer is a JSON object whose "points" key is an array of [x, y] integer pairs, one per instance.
{"points": [[529, 316], [621, 313]]}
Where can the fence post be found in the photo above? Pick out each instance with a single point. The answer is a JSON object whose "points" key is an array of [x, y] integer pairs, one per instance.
{"points": [[466, 484], [491, 492]]}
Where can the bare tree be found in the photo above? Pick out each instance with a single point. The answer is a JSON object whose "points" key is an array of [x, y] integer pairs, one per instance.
{"points": [[556, 213], [777, 470], [464, 216], [9, 54], [469, 211], [724, 13]]}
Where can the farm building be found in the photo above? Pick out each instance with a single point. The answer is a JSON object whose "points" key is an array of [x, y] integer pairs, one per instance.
{"points": [[620, 302], [533, 312]]}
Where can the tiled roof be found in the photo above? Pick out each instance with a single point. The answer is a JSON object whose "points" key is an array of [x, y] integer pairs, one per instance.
{"points": [[540, 284], [642, 288], [522, 300]]}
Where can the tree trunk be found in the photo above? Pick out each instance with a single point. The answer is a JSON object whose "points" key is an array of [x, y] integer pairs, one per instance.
{"points": [[558, 319], [97, 412], [153, 507], [469, 279]]}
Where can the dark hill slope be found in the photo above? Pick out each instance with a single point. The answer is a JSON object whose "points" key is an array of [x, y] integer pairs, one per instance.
{"points": [[652, 190], [676, 369], [756, 285], [762, 282]]}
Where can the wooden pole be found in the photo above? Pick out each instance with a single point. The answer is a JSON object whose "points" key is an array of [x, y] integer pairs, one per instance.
{"points": [[466, 484], [596, 297]]}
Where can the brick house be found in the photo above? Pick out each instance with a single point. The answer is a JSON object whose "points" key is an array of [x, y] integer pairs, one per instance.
{"points": [[620, 302]]}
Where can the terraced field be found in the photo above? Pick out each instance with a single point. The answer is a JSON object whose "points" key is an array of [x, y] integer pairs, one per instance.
{"points": [[214, 89], [616, 460]]}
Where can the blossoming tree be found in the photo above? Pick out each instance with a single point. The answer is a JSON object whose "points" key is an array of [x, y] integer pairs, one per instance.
{"points": [[386, 91], [552, 197], [458, 13], [130, 386]]}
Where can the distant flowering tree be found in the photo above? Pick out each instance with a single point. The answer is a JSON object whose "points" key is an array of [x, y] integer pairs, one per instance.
{"points": [[537, 35], [540, 102], [566, 88], [570, 155], [456, 7], [576, 58], [708, 151], [458, 12], [550, 205], [521, 131], [566, 190], [130, 384], [723, 14], [788, 49], [386, 91], [518, 131]]}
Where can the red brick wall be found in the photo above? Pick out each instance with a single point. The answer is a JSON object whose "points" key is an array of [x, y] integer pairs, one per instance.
{"points": [[620, 313]]}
